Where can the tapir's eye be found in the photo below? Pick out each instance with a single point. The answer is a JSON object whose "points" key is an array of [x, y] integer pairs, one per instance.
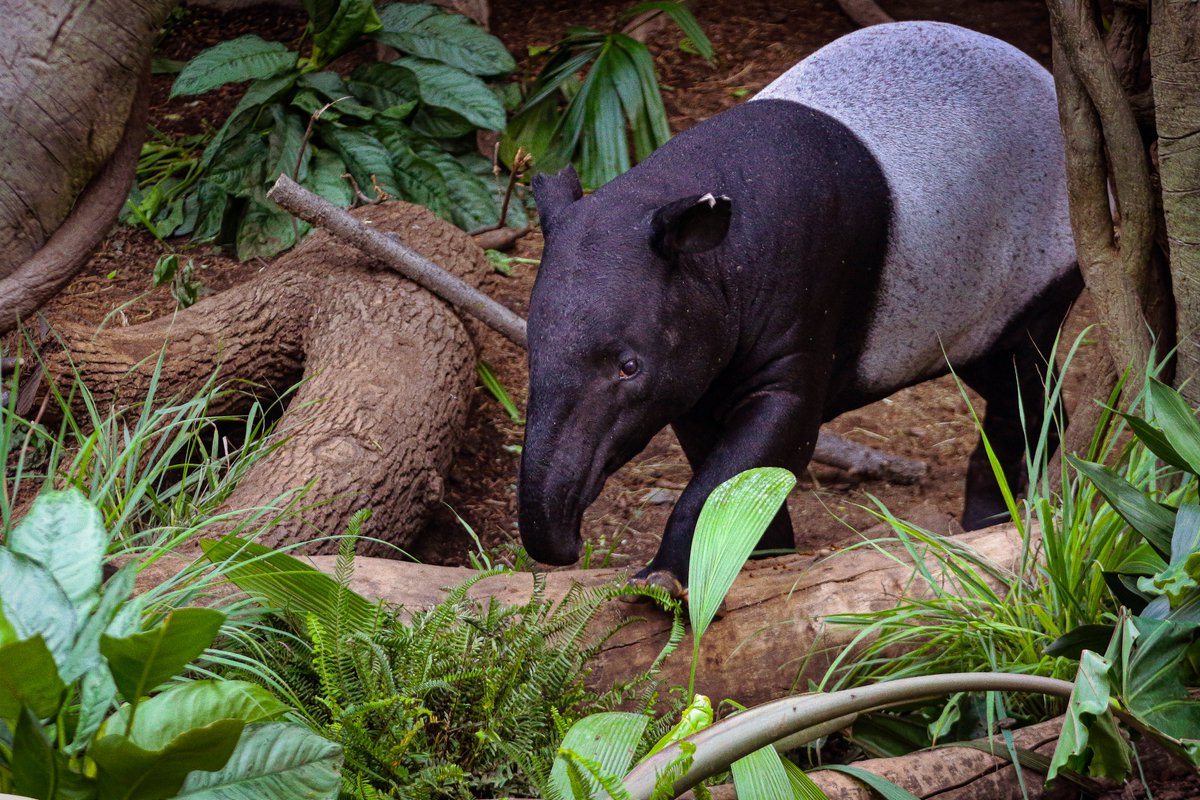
{"points": [[629, 368]]}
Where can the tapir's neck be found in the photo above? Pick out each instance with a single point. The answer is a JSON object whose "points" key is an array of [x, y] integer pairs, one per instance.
{"points": [[800, 266]]}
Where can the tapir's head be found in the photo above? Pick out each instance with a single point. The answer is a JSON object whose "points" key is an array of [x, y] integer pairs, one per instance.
{"points": [[626, 329]]}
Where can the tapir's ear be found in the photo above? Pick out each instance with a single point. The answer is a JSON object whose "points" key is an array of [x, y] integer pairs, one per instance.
{"points": [[553, 193], [691, 225]]}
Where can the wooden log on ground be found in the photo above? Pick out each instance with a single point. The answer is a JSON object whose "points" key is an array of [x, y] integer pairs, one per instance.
{"points": [[772, 639]]}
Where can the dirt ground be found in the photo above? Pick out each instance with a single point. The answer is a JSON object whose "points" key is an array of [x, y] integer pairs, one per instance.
{"points": [[755, 40]]}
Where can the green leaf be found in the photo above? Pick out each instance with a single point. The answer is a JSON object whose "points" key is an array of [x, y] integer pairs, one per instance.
{"points": [[8, 633], [1151, 678], [284, 146], [29, 678], [165, 269], [492, 383], [604, 149], [195, 704], [420, 181], [1178, 422], [449, 38], [886, 789], [34, 771], [732, 521], [288, 583], [266, 230], [457, 91], [683, 18], [272, 760], [1154, 521], [243, 59], [761, 776], [142, 662], [325, 178], [1089, 742], [128, 772], [803, 787], [1155, 442], [365, 158], [696, 717], [84, 657], [383, 85], [97, 693], [34, 603], [608, 738], [353, 18], [329, 85], [320, 12], [440, 123], [64, 533], [1180, 578], [1086, 637], [240, 168]]}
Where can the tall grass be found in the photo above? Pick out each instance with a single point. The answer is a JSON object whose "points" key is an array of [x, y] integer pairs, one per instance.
{"points": [[962, 612]]}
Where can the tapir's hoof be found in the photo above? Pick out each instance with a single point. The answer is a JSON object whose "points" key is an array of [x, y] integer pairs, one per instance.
{"points": [[660, 578]]}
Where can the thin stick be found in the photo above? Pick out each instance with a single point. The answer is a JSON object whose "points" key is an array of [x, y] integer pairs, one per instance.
{"points": [[412, 265]]}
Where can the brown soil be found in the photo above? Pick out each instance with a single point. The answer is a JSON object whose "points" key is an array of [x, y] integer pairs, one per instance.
{"points": [[755, 40]]}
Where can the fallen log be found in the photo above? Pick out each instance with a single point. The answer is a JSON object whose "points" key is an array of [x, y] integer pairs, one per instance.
{"points": [[772, 639]]}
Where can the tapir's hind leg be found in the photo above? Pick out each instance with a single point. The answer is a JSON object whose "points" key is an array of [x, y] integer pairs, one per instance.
{"points": [[1012, 380]]}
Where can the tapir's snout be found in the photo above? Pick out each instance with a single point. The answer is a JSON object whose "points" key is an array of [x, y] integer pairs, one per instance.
{"points": [[550, 527]]}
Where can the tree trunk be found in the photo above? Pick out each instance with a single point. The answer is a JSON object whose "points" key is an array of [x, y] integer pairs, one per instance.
{"points": [[69, 75], [1175, 66], [386, 371], [770, 642]]}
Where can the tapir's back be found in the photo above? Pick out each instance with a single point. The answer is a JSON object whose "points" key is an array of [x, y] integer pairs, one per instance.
{"points": [[965, 128]]}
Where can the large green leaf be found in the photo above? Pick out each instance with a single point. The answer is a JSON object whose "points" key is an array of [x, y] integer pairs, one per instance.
{"points": [[273, 759], [38, 770], [440, 123], [383, 85], [421, 181], [64, 533], [143, 661], [1089, 742], [195, 704], [240, 167], [454, 90], [128, 772], [287, 152], [472, 202], [243, 59], [34, 603], [266, 230], [1155, 441], [607, 740], [1178, 422], [449, 38], [288, 583], [325, 178], [353, 18], [365, 158], [1182, 574], [97, 693], [331, 87], [604, 148], [732, 521], [1154, 521], [761, 776], [29, 678], [1151, 677]]}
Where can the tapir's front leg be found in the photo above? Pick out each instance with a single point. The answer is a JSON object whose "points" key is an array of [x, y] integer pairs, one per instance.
{"points": [[768, 429]]}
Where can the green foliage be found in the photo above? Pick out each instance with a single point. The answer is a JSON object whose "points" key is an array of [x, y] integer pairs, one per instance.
{"points": [[492, 383], [72, 648], [465, 699], [180, 276], [966, 613], [405, 128], [590, 122]]}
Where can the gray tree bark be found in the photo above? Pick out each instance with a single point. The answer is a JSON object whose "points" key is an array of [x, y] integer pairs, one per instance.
{"points": [[69, 134], [1175, 66]]}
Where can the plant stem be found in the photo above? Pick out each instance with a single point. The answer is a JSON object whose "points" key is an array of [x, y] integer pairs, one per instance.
{"points": [[735, 737]]}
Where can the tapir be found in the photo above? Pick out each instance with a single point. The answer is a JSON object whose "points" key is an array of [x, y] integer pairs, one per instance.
{"points": [[892, 206]]}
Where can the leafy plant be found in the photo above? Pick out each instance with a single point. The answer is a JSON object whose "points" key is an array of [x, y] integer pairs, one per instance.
{"points": [[180, 277], [465, 699], [403, 129], [590, 121], [71, 650]]}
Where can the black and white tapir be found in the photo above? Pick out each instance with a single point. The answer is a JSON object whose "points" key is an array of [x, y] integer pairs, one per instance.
{"points": [[893, 203]]}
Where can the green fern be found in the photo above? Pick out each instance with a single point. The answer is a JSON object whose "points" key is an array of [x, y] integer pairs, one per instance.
{"points": [[468, 698]]}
